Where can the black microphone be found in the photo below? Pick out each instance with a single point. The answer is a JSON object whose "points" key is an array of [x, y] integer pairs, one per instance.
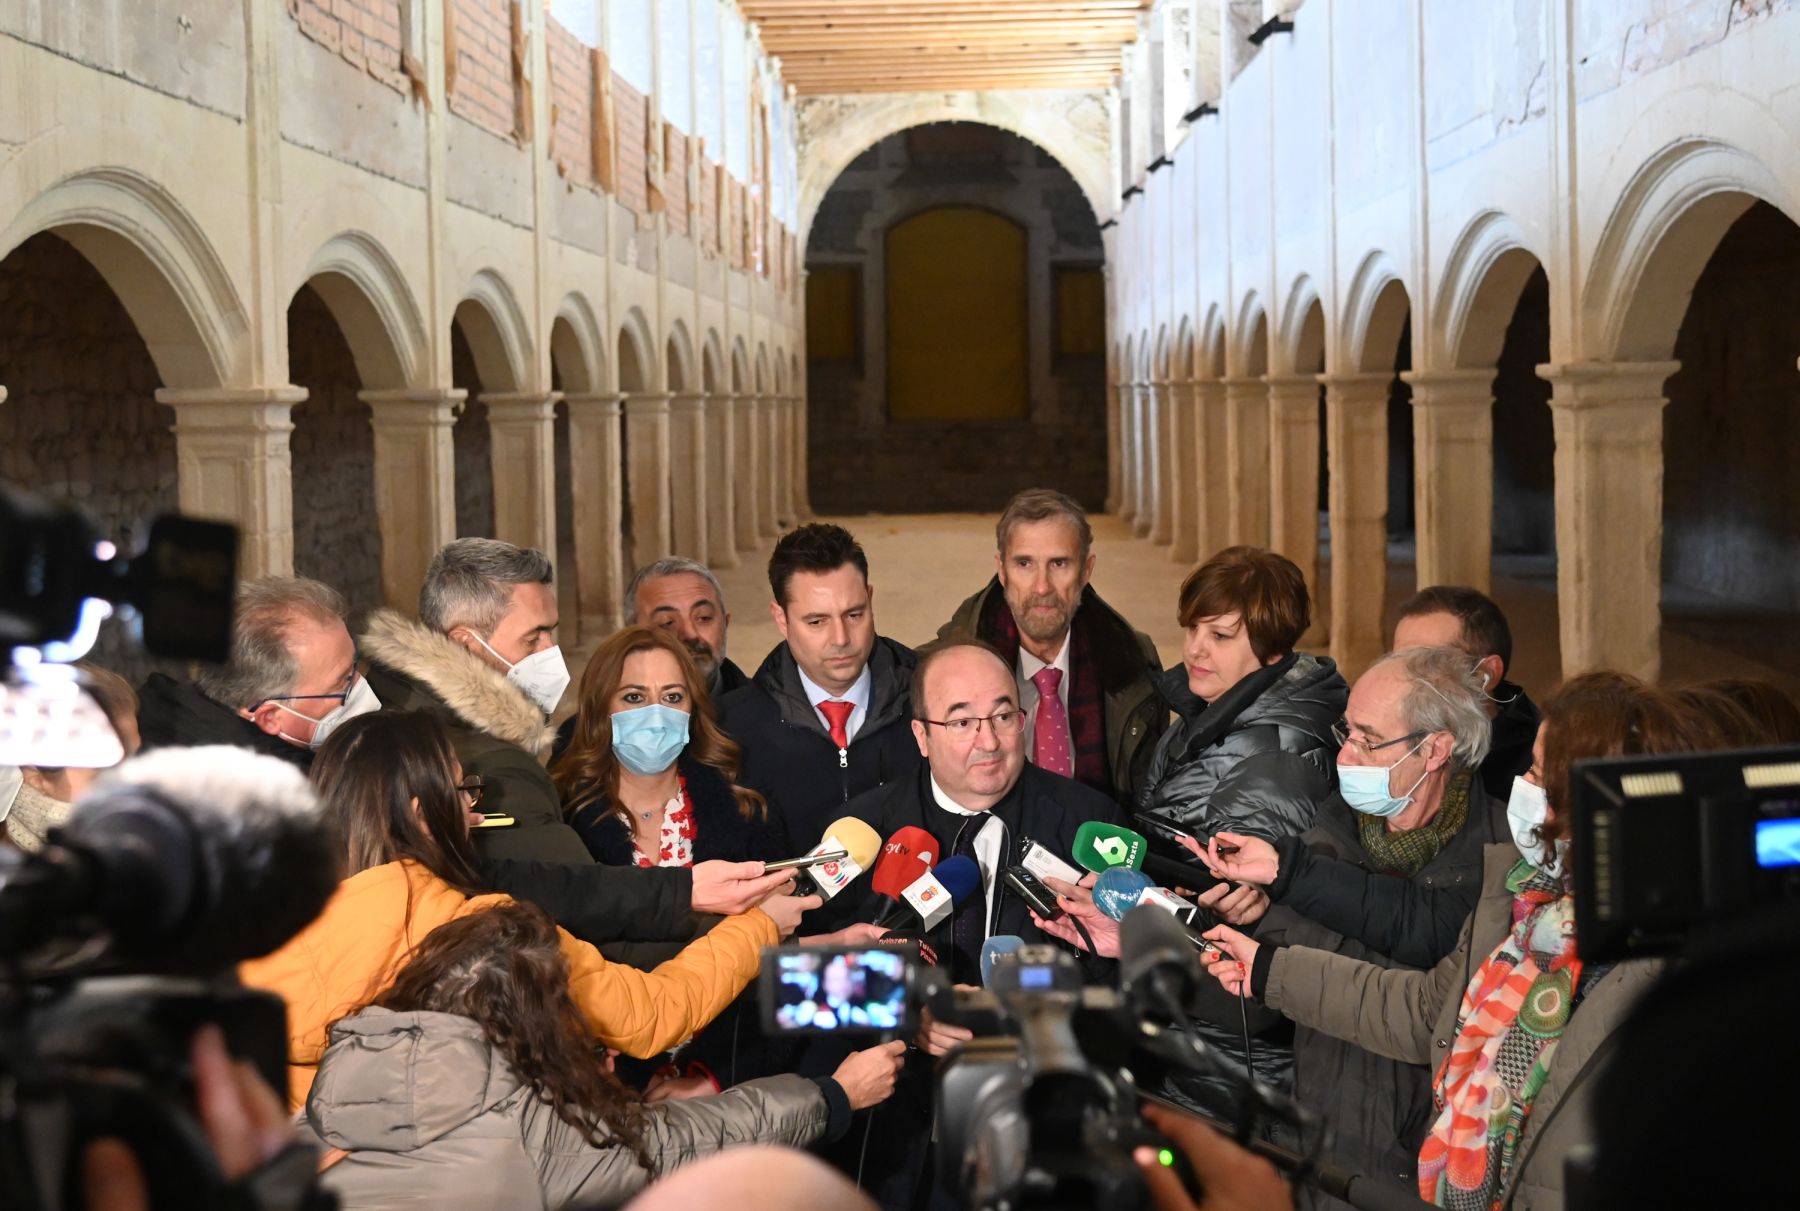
{"points": [[186, 859], [1157, 958]]}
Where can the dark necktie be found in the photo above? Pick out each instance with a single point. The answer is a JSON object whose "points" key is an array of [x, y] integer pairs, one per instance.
{"points": [[969, 925], [837, 717]]}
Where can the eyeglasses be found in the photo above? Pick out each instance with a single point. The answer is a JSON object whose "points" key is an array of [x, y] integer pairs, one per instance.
{"points": [[340, 695], [471, 788], [1004, 723], [1340, 731]]}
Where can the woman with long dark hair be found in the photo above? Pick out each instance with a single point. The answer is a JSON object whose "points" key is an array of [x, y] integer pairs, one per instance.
{"points": [[393, 791], [471, 1081], [648, 779]]}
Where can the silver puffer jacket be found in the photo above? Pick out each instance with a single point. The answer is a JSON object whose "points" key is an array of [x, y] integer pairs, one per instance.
{"points": [[432, 1116]]}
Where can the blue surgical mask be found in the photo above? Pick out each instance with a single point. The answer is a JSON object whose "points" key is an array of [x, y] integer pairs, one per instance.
{"points": [[1365, 787], [647, 739]]}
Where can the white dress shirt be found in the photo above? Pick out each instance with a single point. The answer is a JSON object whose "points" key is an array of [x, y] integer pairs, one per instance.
{"points": [[1028, 694], [857, 695], [990, 844]]}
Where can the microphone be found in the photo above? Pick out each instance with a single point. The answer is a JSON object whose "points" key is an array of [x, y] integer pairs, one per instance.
{"points": [[909, 853], [1100, 847], [856, 838], [995, 947], [1155, 957], [188, 860], [1120, 890], [934, 895]]}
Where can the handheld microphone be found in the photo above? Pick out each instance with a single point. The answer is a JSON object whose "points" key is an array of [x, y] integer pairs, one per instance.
{"points": [[909, 853], [856, 838], [1155, 957], [994, 948], [1100, 847], [188, 860], [1120, 890], [934, 895]]}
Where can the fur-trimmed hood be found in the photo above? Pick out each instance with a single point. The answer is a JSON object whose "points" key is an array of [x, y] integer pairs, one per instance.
{"points": [[470, 689]]}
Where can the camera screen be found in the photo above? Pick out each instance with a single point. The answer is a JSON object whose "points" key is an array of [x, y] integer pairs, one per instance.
{"points": [[1036, 977], [1778, 843], [826, 990]]}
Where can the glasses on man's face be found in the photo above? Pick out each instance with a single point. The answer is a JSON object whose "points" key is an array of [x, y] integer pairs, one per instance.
{"points": [[338, 695], [1003, 723], [470, 788], [1341, 732]]}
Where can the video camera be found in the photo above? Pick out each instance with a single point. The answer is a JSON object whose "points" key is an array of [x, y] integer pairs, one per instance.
{"points": [[1662, 845]]}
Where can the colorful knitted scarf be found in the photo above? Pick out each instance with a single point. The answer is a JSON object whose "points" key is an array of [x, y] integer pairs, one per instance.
{"points": [[1406, 853], [1087, 699], [1512, 1015]]}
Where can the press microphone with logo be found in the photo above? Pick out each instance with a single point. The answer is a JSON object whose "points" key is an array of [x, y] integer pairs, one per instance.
{"points": [[853, 837], [1121, 889], [1100, 847], [909, 853], [929, 900], [994, 948]]}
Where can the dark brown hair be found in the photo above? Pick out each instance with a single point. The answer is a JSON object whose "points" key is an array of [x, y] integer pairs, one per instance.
{"points": [[588, 772], [1262, 588], [1772, 707], [504, 969], [816, 547], [1484, 628], [367, 775], [1724, 717]]}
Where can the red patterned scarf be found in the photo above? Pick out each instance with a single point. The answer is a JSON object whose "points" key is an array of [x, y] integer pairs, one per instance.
{"points": [[1087, 698], [1512, 1015]]}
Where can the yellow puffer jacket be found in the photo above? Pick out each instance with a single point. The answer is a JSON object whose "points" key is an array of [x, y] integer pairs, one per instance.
{"points": [[360, 942]]}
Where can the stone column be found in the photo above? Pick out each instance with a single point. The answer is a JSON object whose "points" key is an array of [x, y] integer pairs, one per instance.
{"points": [[721, 483], [768, 436], [1115, 449], [1127, 509], [1162, 517], [1294, 472], [524, 468], [1143, 424], [1609, 473], [1247, 460], [687, 474], [1184, 480], [415, 483], [798, 506], [1212, 479], [597, 517], [647, 477], [1453, 453], [231, 448], [1356, 453], [747, 480]]}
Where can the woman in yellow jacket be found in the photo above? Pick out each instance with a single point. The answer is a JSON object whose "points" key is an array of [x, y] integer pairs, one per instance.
{"points": [[391, 788]]}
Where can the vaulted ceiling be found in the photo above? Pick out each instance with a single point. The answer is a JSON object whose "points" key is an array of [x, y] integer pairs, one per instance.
{"points": [[887, 46]]}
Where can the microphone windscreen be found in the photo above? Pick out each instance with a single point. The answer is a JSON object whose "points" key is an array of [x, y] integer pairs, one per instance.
{"points": [[909, 853], [863, 842], [1150, 940], [960, 876], [1117, 891], [1101, 846], [857, 839], [993, 948]]}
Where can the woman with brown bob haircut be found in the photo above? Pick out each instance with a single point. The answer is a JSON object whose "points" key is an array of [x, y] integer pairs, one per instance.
{"points": [[648, 778], [1251, 749]]}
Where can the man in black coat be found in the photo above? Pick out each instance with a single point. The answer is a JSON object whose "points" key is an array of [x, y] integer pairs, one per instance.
{"points": [[826, 717]]}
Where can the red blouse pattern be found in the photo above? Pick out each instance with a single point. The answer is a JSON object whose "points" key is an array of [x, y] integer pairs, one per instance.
{"points": [[677, 835]]}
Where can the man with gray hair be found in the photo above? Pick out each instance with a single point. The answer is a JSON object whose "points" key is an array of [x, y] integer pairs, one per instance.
{"points": [[684, 597], [290, 681]]}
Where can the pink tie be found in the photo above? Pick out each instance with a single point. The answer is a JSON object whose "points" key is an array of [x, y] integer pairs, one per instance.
{"points": [[1050, 729]]}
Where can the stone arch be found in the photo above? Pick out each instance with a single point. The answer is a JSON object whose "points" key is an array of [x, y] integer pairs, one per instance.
{"points": [[1375, 313], [1184, 367], [680, 364], [1487, 269], [1658, 238], [636, 361], [761, 379], [781, 378], [1249, 353], [1212, 344], [495, 328], [1159, 362], [794, 375], [712, 364], [577, 351], [362, 286], [1128, 361], [740, 367], [158, 262], [1300, 334], [837, 130]]}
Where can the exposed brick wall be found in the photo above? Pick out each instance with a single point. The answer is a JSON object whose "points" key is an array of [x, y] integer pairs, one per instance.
{"points": [[675, 178], [709, 207], [735, 220], [336, 536], [365, 32], [473, 444], [628, 122], [482, 86], [572, 106]]}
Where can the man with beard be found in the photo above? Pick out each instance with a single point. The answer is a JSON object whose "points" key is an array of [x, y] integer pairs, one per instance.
{"points": [[1086, 677]]}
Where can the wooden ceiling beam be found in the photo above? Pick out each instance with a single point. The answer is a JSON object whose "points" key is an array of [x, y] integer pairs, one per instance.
{"points": [[1009, 73]]}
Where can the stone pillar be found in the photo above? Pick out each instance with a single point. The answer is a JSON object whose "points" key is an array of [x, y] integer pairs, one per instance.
{"points": [[768, 436], [415, 484], [1184, 478], [1294, 473], [1212, 479], [1128, 440], [524, 467], [647, 477], [1115, 449], [1162, 517], [597, 517], [721, 483], [798, 506], [1609, 473], [687, 474], [1356, 453], [1247, 460], [231, 448], [1143, 475], [1453, 453], [747, 480]]}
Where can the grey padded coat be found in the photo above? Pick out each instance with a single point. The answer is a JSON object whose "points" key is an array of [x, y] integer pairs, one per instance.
{"points": [[432, 1116]]}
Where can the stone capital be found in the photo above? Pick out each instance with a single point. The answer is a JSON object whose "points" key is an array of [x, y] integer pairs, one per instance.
{"points": [[647, 403], [520, 407], [686, 404], [233, 409], [745, 404], [1243, 386], [1607, 386], [414, 409], [1357, 388], [1302, 387], [602, 404]]}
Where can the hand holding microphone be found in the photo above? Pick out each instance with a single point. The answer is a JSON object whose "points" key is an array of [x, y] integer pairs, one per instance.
{"points": [[1100, 847], [1231, 958]]}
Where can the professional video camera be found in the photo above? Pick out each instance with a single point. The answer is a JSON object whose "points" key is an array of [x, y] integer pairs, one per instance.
{"points": [[1661, 845]]}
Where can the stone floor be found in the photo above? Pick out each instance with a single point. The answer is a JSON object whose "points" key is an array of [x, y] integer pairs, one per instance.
{"points": [[923, 565]]}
